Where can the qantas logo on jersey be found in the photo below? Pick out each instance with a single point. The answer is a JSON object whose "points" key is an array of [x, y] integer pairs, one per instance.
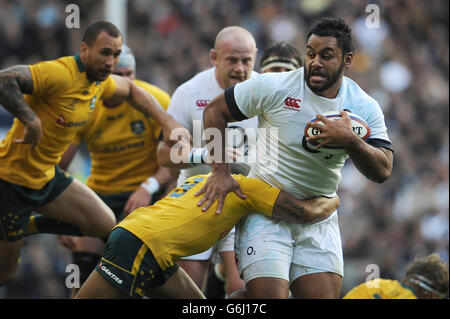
{"points": [[202, 103], [62, 121], [291, 103]]}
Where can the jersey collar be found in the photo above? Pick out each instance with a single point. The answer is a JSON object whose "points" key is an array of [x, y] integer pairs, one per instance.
{"points": [[79, 62]]}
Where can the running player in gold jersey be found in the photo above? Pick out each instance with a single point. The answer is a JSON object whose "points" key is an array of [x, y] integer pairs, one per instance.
{"points": [[426, 278], [141, 252], [52, 101], [125, 173]]}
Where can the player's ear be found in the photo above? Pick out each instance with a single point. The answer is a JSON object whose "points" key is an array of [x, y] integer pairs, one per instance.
{"points": [[213, 57], [348, 59], [84, 48]]}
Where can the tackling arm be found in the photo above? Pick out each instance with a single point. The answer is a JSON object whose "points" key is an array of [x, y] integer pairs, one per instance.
{"points": [[308, 211], [143, 101]]}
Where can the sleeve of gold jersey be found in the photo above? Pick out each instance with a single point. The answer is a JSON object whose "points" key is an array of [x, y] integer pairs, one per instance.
{"points": [[109, 87], [261, 197], [50, 77], [161, 96]]}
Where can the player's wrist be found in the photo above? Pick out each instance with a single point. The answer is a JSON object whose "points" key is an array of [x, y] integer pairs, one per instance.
{"points": [[151, 185]]}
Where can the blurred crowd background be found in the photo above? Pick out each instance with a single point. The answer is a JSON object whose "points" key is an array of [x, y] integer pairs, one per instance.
{"points": [[403, 63]]}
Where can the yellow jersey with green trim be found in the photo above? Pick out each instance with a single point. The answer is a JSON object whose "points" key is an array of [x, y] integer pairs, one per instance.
{"points": [[122, 144], [175, 226], [381, 289], [63, 99]]}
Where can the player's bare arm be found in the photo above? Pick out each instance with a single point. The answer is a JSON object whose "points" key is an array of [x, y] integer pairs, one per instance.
{"points": [[143, 101], [14, 82], [308, 211], [373, 162], [220, 183]]}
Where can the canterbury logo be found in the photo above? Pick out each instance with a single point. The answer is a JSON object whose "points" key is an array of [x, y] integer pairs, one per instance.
{"points": [[202, 103], [292, 103]]}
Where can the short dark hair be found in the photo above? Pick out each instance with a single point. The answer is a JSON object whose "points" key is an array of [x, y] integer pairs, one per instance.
{"points": [[98, 27], [334, 27], [285, 52]]}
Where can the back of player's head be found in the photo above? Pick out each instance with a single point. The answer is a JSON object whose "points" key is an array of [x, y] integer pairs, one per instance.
{"points": [[281, 54], [430, 274], [126, 58], [93, 31], [337, 28]]}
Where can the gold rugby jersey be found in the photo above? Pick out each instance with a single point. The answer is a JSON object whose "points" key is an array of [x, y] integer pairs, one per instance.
{"points": [[175, 226], [122, 144], [64, 99], [381, 289]]}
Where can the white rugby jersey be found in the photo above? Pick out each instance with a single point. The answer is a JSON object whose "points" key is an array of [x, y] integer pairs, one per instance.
{"points": [[187, 105], [284, 102]]}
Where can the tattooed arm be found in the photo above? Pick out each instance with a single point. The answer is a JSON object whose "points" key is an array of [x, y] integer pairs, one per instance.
{"points": [[14, 82], [308, 211]]}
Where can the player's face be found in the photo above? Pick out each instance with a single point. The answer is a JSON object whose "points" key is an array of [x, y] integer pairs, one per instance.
{"points": [[324, 63], [234, 63], [102, 56], [127, 72]]}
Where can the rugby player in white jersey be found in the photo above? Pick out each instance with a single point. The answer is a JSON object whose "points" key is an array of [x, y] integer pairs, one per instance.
{"points": [[233, 58], [273, 256]]}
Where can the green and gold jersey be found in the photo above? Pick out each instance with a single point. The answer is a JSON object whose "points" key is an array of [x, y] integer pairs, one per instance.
{"points": [[64, 99], [122, 144], [381, 289], [175, 226]]}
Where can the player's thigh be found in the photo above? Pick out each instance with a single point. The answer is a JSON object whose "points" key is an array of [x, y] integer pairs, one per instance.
{"points": [[322, 285], [179, 286], [79, 205], [196, 265], [267, 288], [196, 269], [96, 287]]}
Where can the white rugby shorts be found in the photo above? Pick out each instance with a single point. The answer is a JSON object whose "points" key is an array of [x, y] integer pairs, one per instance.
{"points": [[287, 251]]}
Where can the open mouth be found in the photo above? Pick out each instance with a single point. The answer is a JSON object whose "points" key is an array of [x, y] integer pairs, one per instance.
{"points": [[317, 77], [238, 78]]}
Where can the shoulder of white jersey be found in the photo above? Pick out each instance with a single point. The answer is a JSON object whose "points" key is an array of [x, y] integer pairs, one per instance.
{"points": [[363, 103], [274, 81], [199, 82]]}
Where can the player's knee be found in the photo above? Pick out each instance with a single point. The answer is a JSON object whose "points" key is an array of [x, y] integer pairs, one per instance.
{"points": [[102, 227]]}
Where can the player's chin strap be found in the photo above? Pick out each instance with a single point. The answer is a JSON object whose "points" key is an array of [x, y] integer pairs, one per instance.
{"points": [[425, 283]]}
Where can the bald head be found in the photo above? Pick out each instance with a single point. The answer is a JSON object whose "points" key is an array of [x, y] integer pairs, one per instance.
{"points": [[235, 36], [233, 55]]}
